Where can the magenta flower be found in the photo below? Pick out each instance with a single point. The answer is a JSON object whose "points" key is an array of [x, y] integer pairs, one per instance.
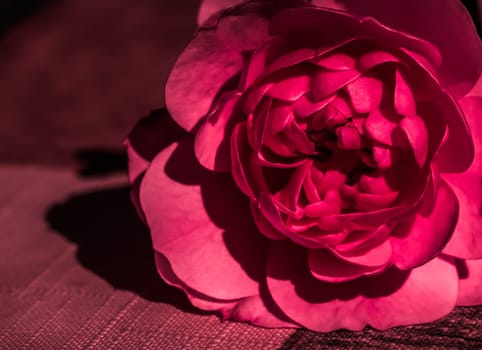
{"points": [[330, 171]]}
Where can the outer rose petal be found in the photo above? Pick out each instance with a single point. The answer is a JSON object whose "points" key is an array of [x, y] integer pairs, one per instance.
{"points": [[150, 135], [470, 284], [449, 26], [466, 242], [201, 215], [209, 8], [213, 138], [428, 233], [391, 299], [198, 76], [250, 309]]}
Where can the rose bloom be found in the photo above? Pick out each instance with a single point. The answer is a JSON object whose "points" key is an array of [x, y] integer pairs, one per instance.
{"points": [[326, 170]]}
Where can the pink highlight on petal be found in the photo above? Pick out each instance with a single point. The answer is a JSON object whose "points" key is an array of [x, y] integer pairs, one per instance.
{"points": [[403, 99], [379, 128], [365, 94], [336, 61], [290, 88], [374, 183], [373, 256], [240, 151], [304, 107], [417, 134], [370, 201], [383, 157], [325, 83], [279, 117], [349, 138], [374, 58], [325, 266]]}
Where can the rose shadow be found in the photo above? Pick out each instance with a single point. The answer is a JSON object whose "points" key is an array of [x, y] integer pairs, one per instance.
{"points": [[113, 243]]}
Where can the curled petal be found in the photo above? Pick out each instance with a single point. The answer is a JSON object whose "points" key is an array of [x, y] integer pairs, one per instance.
{"points": [[212, 140], [198, 76], [390, 299], [417, 134], [325, 82], [466, 242], [403, 98], [374, 58], [187, 218], [240, 153], [290, 88], [373, 256], [336, 61], [327, 267], [418, 241], [252, 309]]}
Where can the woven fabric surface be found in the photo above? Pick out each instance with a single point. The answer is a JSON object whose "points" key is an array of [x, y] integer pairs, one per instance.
{"points": [[76, 265]]}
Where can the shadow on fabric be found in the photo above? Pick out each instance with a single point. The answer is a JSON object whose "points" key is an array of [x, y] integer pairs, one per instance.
{"points": [[113, 243]]}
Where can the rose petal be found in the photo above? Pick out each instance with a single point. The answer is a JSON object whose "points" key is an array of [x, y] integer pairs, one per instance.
{"points": [[209, 8], [326, 82], [264, 225], [374, 256], [470, 283], [289, 85], [148, 137], [240, 152], [375, 58], [391, 299], [403, 99], [212, 142], [312, 24], [197, 77], [254, 311], [365, 94], [449, 27], [380, 127], [417, 241], [199, 214], [243, 28], [251, 309], [327, 267], [466, 242], [417, 134], [336, 61], [304, 107]]}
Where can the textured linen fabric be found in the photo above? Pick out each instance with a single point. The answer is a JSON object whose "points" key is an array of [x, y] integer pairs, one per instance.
{"points": [[76, 265]]}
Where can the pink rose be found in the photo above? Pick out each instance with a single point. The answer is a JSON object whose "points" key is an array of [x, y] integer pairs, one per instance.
{"points": [[329, 174]]}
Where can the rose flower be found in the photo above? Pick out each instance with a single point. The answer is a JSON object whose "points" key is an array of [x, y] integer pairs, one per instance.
{"points": [[326, 170]]}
